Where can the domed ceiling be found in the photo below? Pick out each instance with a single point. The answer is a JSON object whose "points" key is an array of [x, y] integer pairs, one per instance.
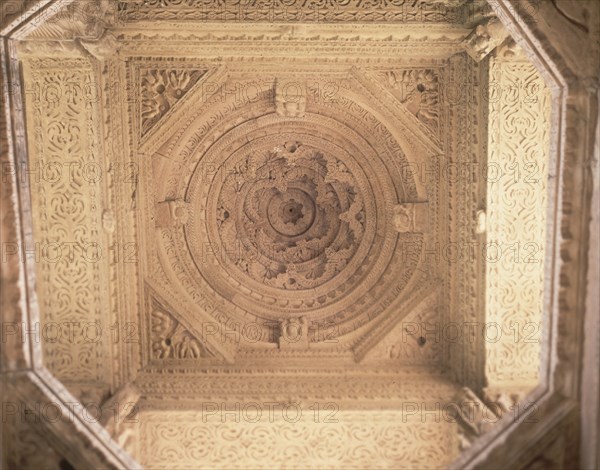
{"points": [[288, 212], [276, 205]]}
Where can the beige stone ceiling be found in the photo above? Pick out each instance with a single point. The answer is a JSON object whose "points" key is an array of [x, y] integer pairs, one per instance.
{"points": [[290, 205], [261, 186]]}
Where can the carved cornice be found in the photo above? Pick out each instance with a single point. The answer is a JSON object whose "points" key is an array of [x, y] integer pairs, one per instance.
{"points": [[303, 11], [348, 386]]}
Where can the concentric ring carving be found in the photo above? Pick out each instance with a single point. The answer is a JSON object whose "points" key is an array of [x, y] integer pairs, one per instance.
{"points": [[290, 217]]}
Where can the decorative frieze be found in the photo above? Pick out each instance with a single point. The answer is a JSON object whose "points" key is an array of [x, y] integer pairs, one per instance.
{"points": [[294, 437], [516, 223], [72, 255]]}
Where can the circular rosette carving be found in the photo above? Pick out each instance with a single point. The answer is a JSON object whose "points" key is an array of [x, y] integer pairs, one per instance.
{"points": [[294, 223], [290, 219]]}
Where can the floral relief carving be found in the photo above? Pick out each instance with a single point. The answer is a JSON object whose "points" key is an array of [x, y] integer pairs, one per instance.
{"points": [[67, 217], [170, 340], [294, 219], [161, 89], [419, 91], [285, 219], [515, 217], [307, 11], [307, 222], [342, 438]]}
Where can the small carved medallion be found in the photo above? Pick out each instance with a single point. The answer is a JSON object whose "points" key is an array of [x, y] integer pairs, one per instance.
{"points": [[411, 217]]}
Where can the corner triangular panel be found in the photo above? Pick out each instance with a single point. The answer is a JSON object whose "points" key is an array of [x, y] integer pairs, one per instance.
{"points": [[418, 90], [169, 339], [161, 90], [414, 341]]}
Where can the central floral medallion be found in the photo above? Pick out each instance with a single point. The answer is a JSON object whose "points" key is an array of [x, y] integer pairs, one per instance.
{"points": [[289, 219], [297, 216]]}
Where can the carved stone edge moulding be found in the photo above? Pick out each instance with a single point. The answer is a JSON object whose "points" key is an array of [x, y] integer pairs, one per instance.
{"points": [[553, 43]]}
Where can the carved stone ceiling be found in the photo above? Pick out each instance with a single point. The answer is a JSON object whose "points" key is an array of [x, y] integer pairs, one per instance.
{"points": [[264, 203]]}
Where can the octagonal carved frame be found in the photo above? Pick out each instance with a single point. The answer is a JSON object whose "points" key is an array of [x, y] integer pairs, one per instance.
{"points": [[566, 367], [569, 298]]}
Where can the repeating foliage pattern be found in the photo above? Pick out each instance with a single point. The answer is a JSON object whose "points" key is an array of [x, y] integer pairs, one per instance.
{"points": [[382, 385], [67, 201], [169, 339], [419, 91], [24, 446], [369, 11], [465, 273], [323, 439], [519, 146], [161, 89]]}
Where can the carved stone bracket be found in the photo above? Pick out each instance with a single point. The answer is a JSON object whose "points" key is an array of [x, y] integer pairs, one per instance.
{"points": [[473, 416], [293, 333], [290, 98], [171, 213], [119, 410], [503, 401], [411, 217], [485, 38]]}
